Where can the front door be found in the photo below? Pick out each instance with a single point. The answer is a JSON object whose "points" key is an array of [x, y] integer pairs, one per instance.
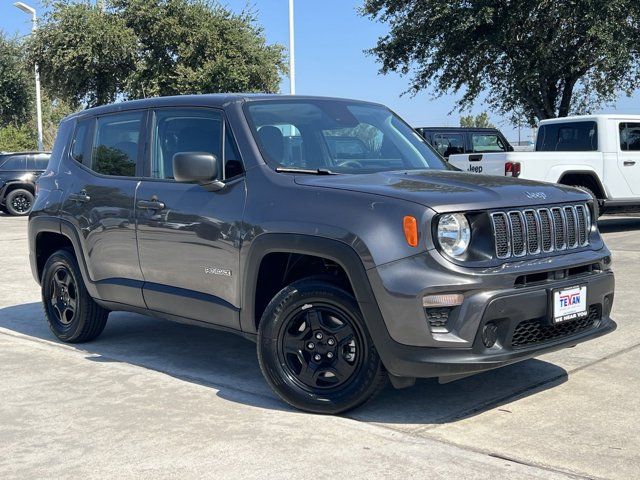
{"points": [[189, 237], [629, 155]]}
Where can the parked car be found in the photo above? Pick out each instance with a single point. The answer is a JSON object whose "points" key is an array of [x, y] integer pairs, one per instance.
{"points": [[18, 175], [455, 140], [348, 262], [597, 153]]}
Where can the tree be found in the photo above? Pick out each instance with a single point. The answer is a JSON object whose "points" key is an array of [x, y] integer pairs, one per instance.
{"points": [[17, 138], [16, 83], [85, 55], [479, 121], [143, 48], [195, 46], [544, 58]]}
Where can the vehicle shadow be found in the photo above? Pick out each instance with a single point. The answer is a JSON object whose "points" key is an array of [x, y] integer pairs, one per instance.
{"points": [[618, 224], [227, 363]]}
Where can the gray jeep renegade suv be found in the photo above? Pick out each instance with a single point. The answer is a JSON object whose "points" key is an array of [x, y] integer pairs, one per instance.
{"points": [[326, 230]]}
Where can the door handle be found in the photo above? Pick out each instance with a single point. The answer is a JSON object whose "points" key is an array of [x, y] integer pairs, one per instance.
{"points": [[152, 204], [629, 163], [80, 197], [475, 158]]}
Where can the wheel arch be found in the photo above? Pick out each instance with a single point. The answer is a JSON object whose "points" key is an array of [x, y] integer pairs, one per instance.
{"points": [[585, 178], [335, 251], [49, 234], [15, 185]]}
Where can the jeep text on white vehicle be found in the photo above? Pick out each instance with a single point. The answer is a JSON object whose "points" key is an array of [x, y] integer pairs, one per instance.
{"points": [[598, 153]]}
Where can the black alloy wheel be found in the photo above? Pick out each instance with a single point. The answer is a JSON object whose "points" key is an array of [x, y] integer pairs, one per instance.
{"points": [[19, 202], [64, 296], [315, 351], [73, 316], [320, 348]]}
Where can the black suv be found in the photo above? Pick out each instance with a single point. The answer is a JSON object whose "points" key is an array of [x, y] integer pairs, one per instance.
{"points": [[453, 140], [18, 175], [326, 230]]}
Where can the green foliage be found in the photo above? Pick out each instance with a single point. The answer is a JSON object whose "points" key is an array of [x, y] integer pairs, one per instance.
{"points": [[17, 139], [16, 82], [85, 55], [53, 111], [478, 121], [194, 46], [144, 48], [544, 58]]}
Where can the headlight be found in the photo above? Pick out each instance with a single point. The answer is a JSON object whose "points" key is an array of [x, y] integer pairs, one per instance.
{"points": [[454, 234]]}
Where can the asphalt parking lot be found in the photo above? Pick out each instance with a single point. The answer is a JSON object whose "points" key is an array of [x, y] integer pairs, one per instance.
{"points": [[154, 399]]}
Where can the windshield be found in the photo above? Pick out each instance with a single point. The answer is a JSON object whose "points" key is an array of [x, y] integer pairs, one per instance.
{"points": [[340, 136]]}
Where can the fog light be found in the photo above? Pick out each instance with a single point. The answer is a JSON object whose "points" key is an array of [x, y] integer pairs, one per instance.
{"points": [[490, 335], [443, 300]]}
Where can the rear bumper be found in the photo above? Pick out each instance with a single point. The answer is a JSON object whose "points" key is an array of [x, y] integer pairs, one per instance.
{"points": [[520, 317]]}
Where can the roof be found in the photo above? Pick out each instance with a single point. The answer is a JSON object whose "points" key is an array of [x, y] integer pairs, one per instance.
{"points": [[586, 118], [217, 100], [457, 129], [28, 152]]}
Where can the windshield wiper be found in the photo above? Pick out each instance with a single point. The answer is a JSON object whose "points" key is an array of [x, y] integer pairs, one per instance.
{"points": [[317, 171]]}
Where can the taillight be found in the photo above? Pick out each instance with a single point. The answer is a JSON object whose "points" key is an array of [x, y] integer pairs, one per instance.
{"points": [[512, 169]]}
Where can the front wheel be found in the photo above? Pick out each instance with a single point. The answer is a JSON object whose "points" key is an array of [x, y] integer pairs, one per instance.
{"points": [[314, 349]]}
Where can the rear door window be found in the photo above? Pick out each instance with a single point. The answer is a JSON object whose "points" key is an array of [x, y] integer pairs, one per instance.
{"points": [[116, 144], [630, 137], [568, 137], [487, 142], [448, 143]]}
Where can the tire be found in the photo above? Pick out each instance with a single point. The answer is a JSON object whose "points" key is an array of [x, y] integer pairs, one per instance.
{"points": [[596, 205], [300, 323], [19, 202], [73, 316]]}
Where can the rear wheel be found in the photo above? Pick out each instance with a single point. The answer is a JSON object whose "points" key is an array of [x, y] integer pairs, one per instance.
{"points": [[19, 202], [73, 316], [314, 349]]}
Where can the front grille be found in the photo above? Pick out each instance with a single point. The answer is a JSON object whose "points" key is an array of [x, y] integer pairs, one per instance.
{"points": [[543, 230], [531, 332]]}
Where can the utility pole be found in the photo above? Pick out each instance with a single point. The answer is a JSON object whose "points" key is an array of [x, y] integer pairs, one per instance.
{"points": [[292, 61], [32, 11]]}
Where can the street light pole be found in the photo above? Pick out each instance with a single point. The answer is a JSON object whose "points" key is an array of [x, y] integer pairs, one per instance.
{"points": [[292, 62], [32, 11]]}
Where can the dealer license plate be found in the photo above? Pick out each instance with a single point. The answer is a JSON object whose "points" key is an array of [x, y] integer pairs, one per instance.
{"points": [[569, 304]]}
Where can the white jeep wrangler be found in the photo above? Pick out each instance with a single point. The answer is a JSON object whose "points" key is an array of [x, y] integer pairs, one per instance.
{"points": [[598, 153]]}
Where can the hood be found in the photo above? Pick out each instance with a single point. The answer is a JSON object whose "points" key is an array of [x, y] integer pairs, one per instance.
{"points": [[448, 191]]}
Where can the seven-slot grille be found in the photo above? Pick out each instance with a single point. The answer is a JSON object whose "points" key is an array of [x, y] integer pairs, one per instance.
{"points": [[540, 230]]}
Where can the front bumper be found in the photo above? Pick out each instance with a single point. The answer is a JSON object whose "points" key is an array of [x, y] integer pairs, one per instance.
{"points": [[518, 313]]}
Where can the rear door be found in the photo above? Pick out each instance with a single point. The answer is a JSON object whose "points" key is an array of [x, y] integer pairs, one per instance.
{"points": [[100, 202], [629, 155], [189, 237]]}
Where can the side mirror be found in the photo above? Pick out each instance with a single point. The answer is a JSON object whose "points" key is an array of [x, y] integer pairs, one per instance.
{"points": [[200, 167]]}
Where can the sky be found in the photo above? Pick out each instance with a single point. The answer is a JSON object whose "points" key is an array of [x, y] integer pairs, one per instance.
{"points": [[330, 40]]}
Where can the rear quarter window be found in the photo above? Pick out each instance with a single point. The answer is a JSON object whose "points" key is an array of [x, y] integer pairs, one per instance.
{"points": [[568, 137]]}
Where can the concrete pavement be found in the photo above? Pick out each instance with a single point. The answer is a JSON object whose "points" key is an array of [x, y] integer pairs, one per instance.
{"points": [[153, 399]]}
